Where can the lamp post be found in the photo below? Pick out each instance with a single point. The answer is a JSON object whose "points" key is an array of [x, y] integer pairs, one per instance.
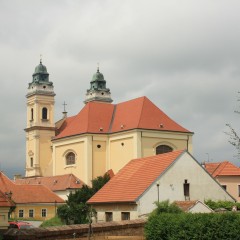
{"points": [[158, 191]]}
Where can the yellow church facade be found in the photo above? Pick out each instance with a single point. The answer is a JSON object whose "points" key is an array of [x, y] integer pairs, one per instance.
{"points": [[102, 136]]}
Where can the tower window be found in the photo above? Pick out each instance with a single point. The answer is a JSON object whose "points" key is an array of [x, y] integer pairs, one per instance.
{"points": [[31, 162], [44, 113], [163, 149], [31, 113], [70, 158]]}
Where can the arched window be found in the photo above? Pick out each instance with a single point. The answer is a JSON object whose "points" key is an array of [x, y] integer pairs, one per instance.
{"points": [[44, 113], [163, 149], [31, 113], [70, 158]]}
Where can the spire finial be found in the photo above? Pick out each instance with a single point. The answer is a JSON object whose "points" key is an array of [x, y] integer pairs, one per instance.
{"points": [[40, 58], [64, 106], [98, 67]]}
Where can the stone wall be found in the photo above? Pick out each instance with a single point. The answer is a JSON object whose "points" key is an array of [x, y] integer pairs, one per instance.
{"points": [[121, 228]]}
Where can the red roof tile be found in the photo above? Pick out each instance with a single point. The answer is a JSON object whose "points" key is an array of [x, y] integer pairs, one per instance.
{"points": [[5, 201], [54, 183], [97, 117], [28, 193], [222, 169], [185, 205], [133, 179]]}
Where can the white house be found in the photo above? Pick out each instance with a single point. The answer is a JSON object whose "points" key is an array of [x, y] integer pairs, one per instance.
{"points": [[173, 176]]}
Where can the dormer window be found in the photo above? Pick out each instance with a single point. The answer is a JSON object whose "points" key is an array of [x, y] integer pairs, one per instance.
{"points": [[44, 113]]}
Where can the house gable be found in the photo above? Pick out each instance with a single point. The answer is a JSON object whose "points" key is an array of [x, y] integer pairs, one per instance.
{"points": [[171, 185]]}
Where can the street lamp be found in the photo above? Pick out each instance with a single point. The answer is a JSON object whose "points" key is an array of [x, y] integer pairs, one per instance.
{"points": [[158, 183]]}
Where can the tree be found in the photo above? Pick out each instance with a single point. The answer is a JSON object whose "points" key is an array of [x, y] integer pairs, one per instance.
{"points": [[76, 210], [234, 137]]}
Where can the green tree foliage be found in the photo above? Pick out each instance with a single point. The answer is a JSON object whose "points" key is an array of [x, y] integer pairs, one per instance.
{"points": [[166, 207], [76, 211], [222, 204], [204, 226]]}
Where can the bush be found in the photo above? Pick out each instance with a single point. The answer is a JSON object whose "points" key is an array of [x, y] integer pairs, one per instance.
{"points": [[166, 226], [56, 221], [222, 204]]}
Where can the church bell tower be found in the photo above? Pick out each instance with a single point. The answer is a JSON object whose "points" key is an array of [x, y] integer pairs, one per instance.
{"points": [[98, 91], [40, 123]]}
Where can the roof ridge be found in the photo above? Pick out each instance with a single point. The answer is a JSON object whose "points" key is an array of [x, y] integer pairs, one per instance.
{"points": [[88, 113], [113, 118], [219, 168], [139, 120]]}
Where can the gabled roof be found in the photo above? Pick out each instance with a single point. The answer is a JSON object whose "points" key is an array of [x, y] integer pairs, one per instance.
{"points": [[222, 169], [133, 179], [28, 193], [106, 118], [54, 183], [186, 206]]}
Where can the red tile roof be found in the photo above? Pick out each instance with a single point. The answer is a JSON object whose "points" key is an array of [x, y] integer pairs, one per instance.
{"points": [[222, 169], [185, 205], [98, 117], [54, 183], [133, 179], [28, 193], [5, 201]]}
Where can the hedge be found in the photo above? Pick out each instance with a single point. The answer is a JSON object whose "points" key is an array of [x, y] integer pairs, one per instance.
{"points": [[198, 226]]}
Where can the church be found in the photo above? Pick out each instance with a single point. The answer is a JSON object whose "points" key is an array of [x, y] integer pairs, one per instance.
{"points": [[103, 136]]}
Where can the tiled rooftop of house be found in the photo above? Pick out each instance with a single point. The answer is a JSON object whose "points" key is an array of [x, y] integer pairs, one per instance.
{"points": [[27, 193], [133, 179], [54, 183], [5, 201], [97, 117], [185, 205], [222, 169]]}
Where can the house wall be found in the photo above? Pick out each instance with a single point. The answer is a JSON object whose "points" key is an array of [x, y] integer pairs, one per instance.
{"points": [[4, 217], [37, 208], [200, 208], [232, 183], [171, 185], [116, 210]]}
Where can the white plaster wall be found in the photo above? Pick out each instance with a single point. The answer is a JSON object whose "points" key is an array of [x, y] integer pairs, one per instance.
{"points": [[200, 208], [202, 185]]}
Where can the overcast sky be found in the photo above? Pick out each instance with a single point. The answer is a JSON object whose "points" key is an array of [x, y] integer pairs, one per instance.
{"points": [[183, 55]]}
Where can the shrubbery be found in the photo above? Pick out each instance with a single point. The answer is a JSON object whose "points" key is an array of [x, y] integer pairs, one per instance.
{"points": [[168, 222], [193, 226], [222, 204]]}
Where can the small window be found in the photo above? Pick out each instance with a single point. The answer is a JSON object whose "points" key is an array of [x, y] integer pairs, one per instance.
{"points": [[224, 187], [44, 113], [31, 162], [70, 158], [186, 190], [125, 215], [20, 213], [44, 212], [163, 149], [109, 216], [31, 114], [30, 213], [239, 190]]}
